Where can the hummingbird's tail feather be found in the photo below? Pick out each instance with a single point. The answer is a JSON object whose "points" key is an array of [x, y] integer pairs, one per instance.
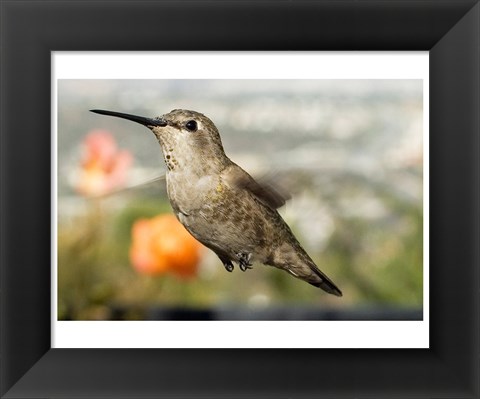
{"points": [[296, 261], [325, 283]]}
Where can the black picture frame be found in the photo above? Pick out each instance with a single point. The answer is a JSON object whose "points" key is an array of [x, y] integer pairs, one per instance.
{"points": [[30, 30]]}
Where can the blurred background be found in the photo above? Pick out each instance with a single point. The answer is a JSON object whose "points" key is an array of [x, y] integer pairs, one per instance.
{"points": [[349, 151]]}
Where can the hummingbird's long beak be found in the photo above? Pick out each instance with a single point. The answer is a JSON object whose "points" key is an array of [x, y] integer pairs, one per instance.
{"points": [[139, 119]]}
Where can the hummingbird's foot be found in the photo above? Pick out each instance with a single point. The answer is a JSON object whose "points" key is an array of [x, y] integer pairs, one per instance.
{"points": [[228, 265], [244, 261]]}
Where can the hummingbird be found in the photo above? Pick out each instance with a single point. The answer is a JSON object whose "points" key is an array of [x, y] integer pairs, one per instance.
{"points": [[220, 204]]}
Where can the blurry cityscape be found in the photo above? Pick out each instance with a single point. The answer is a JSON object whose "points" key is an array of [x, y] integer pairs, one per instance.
{"points": [[349, 151]]}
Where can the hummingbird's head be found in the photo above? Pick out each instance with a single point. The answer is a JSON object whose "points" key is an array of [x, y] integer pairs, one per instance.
{"points": [[188, 138]]}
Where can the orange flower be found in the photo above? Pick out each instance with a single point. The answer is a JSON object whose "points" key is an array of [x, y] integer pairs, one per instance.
{"points": [[162, 245], [103, 167]]}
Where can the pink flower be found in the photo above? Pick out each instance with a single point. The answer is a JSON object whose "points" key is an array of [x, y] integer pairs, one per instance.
{"points": [[103, 166]]}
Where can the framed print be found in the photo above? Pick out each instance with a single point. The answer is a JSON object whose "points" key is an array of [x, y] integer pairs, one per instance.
{"points": [[385, 94]]}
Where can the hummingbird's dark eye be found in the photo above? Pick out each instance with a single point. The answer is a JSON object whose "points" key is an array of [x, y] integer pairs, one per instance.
{"points": [[191, 125]]}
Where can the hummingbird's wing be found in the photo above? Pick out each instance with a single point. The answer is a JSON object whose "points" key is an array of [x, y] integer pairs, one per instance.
{"points": [[267, 192], [129, 188]]}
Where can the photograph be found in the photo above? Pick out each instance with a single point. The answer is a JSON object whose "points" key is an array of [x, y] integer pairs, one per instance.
{"points": [[253, 199]]}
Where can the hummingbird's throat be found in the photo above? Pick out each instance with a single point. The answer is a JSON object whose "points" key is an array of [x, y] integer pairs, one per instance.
{"points": [[170, 160], [167, 150]]}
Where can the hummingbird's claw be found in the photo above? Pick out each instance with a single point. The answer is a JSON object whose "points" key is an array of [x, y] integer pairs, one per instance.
{"points": [[244, 267], [228, 266], [244, 261], [227, 263]]}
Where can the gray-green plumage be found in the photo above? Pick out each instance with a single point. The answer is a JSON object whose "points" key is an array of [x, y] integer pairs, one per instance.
{"points": [[220, 204]]}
